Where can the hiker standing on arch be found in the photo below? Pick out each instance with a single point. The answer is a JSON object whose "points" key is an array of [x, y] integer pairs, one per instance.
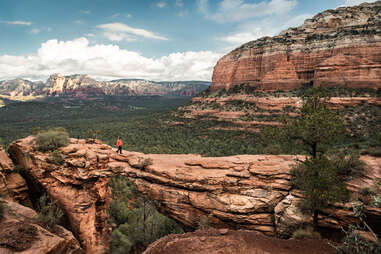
{"points": [[119, 144]]}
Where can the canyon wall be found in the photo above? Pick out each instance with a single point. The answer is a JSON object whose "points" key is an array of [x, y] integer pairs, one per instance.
{"points": [[335, 47]]}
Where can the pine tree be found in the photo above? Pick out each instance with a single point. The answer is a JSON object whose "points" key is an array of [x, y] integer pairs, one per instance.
{"points": [[316, 128]]}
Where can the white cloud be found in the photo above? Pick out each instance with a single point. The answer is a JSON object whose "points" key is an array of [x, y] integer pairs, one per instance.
{"points": [[115, 15], [202, 6], [106, 62], [120, 31], [79, 22], [90, 35], [16, 22], [35, 31], [239, 10], [112, 36], [182, 13], [179, 3], [357, 2], [129, 15], [161, 4], [86, 12], [266, 27]]}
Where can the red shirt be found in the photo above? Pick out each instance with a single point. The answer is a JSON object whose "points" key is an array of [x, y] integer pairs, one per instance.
{"points": [[119, 142]]}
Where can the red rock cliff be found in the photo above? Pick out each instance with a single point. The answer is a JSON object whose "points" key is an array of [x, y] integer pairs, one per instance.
{"points": [[335, 47]]}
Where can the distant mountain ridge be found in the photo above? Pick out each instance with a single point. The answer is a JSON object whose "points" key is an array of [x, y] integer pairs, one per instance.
{"points": [[79, 85]]}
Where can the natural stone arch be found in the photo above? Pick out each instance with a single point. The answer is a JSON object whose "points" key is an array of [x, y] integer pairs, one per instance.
{"points": [[245, 191]]}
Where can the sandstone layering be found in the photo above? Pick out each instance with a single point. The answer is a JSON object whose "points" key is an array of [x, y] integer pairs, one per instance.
{"points": [[250, 192], [335, 47]]}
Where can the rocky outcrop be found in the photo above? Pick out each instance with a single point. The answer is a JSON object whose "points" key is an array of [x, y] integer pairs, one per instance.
{"points": [[20, 88], [335, 47], [12, 185], [250, 192], [83, 86], [215, 241], [20, 232], [249, 112]]}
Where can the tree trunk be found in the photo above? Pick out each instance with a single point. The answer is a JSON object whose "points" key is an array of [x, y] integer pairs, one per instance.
{"points": [[144, 221], [314, 150], [315, 219]]}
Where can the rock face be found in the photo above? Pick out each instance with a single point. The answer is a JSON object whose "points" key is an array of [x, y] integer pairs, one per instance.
{"points": [[249, 112], [250, 192], [214, 241], [20, 87], [12, 185], [335, 47], [84, 86], [20, 232]]}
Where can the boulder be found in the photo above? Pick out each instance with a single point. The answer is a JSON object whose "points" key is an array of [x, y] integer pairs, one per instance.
{"points": [[20, 232]]}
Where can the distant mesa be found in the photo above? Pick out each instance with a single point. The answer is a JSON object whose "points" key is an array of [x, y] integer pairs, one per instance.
{"points": [[335, 47], [84, 86]]}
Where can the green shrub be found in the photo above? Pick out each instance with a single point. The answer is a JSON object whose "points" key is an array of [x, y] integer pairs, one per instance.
{"points": [[306, 233], [37, 130], [376, 201], [52, 139], [120, 244], [273, 149], [366, 190], [89, 134], [373, 151], [319, 183], [376, 141], [57, 157], [49, 213], [347, 163], [119, 212], [354, 244]]}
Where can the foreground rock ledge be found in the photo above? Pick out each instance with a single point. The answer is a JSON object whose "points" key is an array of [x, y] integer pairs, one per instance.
{"points": [[251, 192], [213, 241]]}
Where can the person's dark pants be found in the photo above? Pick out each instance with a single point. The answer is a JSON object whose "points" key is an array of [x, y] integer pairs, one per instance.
{"points": [[119, 149]]}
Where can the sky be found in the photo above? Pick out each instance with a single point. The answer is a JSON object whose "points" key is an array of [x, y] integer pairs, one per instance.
{"points": [[150, 39]]}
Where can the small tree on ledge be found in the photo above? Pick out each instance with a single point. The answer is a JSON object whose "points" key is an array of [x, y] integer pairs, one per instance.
{"points": [[316, 128]]}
